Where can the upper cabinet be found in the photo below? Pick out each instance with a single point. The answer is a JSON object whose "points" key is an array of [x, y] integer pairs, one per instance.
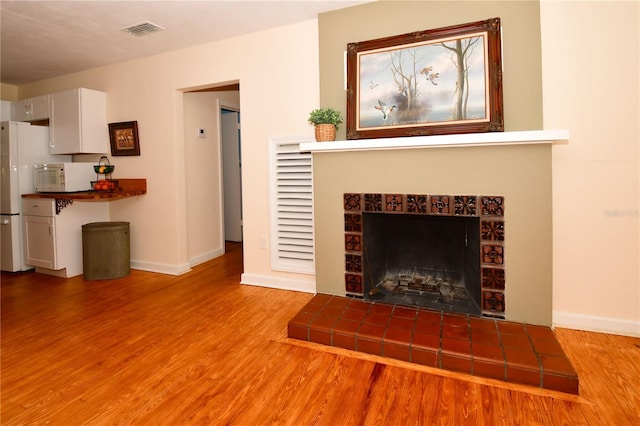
{"points": [[32, 109], [78, 122]]}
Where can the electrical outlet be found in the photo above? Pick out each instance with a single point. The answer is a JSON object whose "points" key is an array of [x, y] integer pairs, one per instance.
{"points": [[202, 133]]}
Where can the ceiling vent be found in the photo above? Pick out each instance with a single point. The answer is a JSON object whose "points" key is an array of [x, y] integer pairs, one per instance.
{"points": [[142, 29]]}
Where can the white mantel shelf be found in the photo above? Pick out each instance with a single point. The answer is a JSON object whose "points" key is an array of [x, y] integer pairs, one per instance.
{"points": [[441, 141]]}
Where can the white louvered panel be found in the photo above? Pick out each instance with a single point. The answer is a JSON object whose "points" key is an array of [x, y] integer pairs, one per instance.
{"points": [[291, 189]]}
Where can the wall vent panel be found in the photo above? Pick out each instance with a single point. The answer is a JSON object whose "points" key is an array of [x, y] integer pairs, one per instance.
{"points": [[291, 205]]}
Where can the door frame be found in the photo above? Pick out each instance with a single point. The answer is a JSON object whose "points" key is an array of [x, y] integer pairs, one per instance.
{"points": [[232, 106]]}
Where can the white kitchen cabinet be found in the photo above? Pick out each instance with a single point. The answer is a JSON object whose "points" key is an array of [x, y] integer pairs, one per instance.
{"points": [[40, 241], [78, 122], [31, 109], [53, 239]]}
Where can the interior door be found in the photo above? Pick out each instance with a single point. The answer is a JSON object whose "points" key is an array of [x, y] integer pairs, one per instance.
{"points": [[231, 168]]}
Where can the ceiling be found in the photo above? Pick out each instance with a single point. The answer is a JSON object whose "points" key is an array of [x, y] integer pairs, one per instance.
{"points": [[45, 39]]}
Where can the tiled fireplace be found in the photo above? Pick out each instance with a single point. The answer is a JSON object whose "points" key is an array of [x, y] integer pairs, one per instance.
{"points": [[444, 252], [450, 188]]}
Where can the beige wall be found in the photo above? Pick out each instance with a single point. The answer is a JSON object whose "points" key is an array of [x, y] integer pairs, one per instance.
{"points": [[596, 176], [522, 80], [278, 89], [8, 92], [522, 174]]}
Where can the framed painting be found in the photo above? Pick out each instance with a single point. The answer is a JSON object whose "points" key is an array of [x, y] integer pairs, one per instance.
{"points": [[124, 138], [433, 82]]}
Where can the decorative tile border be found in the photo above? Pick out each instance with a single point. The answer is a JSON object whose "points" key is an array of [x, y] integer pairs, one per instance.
{"points": [[489, 208]]}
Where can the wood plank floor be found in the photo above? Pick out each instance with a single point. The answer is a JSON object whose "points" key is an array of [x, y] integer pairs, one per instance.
{"points": [[152, 349]]}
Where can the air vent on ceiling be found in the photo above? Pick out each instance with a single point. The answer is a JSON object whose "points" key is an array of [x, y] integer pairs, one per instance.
{"points": [[142, 29]]}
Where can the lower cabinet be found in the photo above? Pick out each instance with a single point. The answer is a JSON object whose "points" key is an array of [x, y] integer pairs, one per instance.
{"points": [[40, 241], [53, 233]]}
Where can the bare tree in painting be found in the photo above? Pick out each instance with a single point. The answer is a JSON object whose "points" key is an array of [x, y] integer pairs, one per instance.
{"points": [[404, 71], [461, 51]]}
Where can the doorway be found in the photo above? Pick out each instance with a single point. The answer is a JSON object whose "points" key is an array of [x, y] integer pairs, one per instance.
{"points": [[231, 171]]}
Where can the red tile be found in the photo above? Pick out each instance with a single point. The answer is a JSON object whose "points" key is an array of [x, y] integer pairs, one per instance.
{"points": [[398, 336], [374, 318], [488, 369], [424, 357], [369, 346], [359, 305], [303, 318], [345, 326], [432, 316], [523, 376], [345, 341], [455, 363], [561, 383], [521, 359], [317, 335], [339, 302], [426, 341], [313, 307], [401, 323], [296, 331], [405, 312], [483, 324], [559, 365], [371, 331], [395, 351], [460, 348], [432, 328], [323, 323], [458, 320], [487, 353], [538, 332], [455, 332], [549, 347], [507, 327], [520, 341], [381, 309], [485, 337], [353, 314], [321, 299], [331, 311]]}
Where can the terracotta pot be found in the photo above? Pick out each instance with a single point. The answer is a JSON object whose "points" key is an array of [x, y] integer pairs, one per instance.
{"points": [[325, 132]]}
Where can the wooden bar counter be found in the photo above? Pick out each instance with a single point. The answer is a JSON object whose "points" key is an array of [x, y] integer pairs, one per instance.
{"points": [[126, 188]]}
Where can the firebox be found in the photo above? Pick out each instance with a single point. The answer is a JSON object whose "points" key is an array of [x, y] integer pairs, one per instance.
{"points": [[419, 260], [444, 252]]}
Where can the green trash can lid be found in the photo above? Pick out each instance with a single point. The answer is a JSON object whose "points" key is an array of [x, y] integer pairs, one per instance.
{"points": [[104, 225]]}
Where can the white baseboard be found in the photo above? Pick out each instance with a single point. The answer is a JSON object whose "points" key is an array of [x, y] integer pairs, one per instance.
{"points": [[161, 268], [205, 257], [279, 283], [598, 324]]}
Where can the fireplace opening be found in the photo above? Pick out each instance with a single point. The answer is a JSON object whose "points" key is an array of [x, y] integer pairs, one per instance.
{"points": [[422, 260]]}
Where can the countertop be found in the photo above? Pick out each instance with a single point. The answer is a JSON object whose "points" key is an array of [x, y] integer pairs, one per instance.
{"points": [[126, 188]]}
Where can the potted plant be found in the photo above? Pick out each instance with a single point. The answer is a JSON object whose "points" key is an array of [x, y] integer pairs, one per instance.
{"points": [[326, 121]]}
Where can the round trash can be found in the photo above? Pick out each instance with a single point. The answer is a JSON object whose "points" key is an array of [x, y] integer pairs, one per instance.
{"points": [[105, 250]]}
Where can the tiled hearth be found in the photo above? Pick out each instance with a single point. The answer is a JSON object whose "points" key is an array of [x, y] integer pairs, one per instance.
{"points": [[484, 347]]}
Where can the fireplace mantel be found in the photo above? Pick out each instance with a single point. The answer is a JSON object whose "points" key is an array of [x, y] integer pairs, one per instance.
{"points": [[441, 141]]}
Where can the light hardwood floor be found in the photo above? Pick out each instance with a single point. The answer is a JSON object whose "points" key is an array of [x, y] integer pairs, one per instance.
{"points": [[152, 349]]}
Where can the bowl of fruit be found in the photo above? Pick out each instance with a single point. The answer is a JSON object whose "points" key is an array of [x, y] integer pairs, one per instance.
{"points": [[104, 185], [103, 167]]}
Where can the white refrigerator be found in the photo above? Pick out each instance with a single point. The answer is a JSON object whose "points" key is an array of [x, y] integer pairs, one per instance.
{"points": [[23, 145]]}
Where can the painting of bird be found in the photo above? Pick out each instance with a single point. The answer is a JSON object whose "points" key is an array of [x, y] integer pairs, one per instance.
{"points": [[382, 107]]}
